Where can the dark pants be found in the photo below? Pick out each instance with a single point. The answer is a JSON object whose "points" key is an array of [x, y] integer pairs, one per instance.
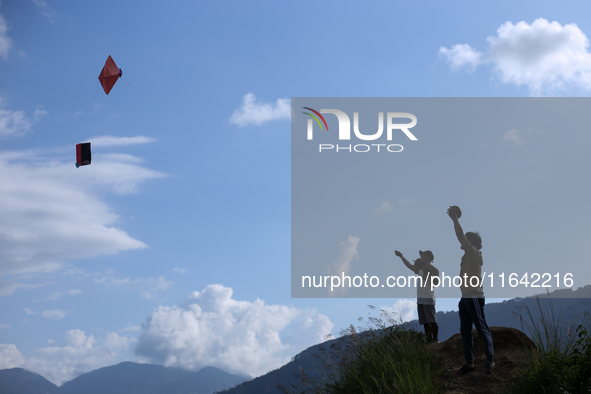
{"points": [[472, 312]]}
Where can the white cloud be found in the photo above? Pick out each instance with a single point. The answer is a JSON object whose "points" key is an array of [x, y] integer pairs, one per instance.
{"points": [[56, 295], [462, 55], [112, 281], [383, 208], [152, 286], [118, 158], [403, 310], [77, 338], [5, 41], [132, 328], [59, 294], [16, 123], [55, 314], [514, 136], [52, 212], [407, 200], [80, 354], [75, 272], [9, 287], [13, 123], [38, 114], [10, 356], [348, 251], [28, 311], [211, 328], [44, 9], [544, 56], [107, 140], [116, 176], [161, 284], [253, 112], [4, 326], [156, 286], [146, 295], [179, 270]]}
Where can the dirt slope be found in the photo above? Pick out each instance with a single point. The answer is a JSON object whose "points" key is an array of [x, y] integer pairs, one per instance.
{"points": [[511, 350]]}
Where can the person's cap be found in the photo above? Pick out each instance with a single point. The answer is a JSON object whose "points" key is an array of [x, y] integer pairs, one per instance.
{"points": [[427, 254]]}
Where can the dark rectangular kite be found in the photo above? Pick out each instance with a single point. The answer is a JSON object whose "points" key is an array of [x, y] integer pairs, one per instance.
{"points": [[83, 154]]}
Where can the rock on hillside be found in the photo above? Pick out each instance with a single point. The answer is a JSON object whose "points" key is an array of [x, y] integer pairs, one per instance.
{"points": [[511, 351]]}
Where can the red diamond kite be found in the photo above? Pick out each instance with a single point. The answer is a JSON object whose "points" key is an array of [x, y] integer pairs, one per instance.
{"points": [[109, 75]]}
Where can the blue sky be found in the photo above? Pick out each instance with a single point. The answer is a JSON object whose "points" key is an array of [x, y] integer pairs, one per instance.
{"points": [[173, 247]]}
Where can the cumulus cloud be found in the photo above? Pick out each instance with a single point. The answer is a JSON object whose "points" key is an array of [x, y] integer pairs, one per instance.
{"points": [[52, 212], [81, 353], [253, 112], [403, 310], [10, 357], [544, 56], [211, 328]]}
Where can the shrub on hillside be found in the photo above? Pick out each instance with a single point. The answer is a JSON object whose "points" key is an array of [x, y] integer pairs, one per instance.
{"points": [[384, 358], [562, 362]]}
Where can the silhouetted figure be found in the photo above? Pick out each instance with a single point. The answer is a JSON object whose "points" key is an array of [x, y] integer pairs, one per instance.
{"points": [[425, 296], [471, 304]]}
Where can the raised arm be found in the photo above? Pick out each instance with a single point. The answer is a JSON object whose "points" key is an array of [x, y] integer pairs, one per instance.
{"points": [[457, 227], [406, 262]]}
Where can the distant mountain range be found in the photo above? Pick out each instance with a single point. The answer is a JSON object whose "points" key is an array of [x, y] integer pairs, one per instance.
{"points": [[133, 378], [124, 378], [503, 314]]}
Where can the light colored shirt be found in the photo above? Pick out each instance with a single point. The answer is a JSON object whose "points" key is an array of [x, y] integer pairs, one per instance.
{"points": [[425, 295]]}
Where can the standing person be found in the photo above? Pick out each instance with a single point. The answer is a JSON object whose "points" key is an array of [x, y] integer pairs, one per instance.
{"points": [[425, 295], [471, 304]]}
